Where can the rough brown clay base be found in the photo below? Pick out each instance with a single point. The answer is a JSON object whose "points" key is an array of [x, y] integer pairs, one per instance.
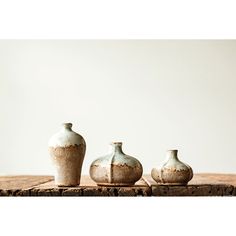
{"points": [[77, 185]]}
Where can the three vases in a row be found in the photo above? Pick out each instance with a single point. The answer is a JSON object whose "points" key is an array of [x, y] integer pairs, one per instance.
{"points": [[67, 150]]}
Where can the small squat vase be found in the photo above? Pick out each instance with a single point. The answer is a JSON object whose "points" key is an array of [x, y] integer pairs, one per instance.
{"points": [[173, 172], [67, 151], [116, 168]]}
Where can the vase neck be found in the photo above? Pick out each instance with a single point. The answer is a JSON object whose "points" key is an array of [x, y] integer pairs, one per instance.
{"points": [[67, 126], [172, 155], [116, 147]]}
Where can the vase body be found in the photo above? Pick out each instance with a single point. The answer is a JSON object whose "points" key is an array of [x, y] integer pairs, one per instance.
{"points": [[173, 172], [116, 168], [67, 151]]}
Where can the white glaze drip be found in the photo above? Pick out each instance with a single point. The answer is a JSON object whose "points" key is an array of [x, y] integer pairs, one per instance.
{"points": [[173, 161], [65, 137]]}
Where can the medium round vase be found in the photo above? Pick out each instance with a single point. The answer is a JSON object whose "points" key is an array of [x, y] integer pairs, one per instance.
{"points": [[67, 150], [173, 172], [116, 168]]}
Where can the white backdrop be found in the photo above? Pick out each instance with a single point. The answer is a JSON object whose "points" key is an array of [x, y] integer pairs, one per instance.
{"points": [[152, 95]]}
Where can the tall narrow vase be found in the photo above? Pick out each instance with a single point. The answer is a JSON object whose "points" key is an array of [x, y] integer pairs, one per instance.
{"points": [[67, 150]]}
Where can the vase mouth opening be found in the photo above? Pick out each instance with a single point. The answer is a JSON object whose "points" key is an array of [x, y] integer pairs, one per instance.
{"points": [[116, 143], [67, 125], [172, 150]]}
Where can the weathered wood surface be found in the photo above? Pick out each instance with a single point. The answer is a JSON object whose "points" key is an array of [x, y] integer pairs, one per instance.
{"points": [[20, 185], [44, 186], [200, 185], [89, 188]]}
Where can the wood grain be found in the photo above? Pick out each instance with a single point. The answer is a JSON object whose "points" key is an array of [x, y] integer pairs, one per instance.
{"points": [[20, 185], [89, 188], [205, 184]]}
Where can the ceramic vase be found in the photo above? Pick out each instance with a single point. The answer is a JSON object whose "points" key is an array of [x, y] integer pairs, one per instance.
{"points": [[173, 172], [116, 168], [67, 151]]}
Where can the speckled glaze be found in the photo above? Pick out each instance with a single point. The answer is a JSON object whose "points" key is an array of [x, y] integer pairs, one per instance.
{"points": [[67, 150], [173, 172], [116, 168]]}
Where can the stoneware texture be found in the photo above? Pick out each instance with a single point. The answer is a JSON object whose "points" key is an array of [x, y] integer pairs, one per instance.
{"points": [[173, 172], [116, 168], [67, 150]]}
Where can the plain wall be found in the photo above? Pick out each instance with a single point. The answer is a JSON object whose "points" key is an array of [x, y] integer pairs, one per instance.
{"points": [[153, 95]]}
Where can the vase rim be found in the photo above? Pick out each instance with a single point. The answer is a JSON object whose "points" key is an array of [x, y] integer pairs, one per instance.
{"points": [[67, 125], [172, 150], [116, 143]]}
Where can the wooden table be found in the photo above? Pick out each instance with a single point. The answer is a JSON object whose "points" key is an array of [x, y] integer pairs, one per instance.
{"points": [[200, 185]]}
